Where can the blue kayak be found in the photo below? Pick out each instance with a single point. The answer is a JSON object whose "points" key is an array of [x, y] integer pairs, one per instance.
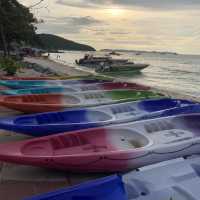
{"points": [[23, 84], [109, 188], [177, 179], [44, 124]]}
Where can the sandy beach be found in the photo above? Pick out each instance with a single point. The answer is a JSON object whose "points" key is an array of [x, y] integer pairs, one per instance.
{"points": [[59, 68], [17, 181]]}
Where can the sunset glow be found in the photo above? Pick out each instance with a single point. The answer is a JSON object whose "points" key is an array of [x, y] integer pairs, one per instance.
{"points": [[143, 25], [115, 12]]}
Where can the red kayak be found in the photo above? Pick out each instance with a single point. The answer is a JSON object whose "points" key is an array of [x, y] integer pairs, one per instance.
{"points": [[54, 102], [112, 148]]}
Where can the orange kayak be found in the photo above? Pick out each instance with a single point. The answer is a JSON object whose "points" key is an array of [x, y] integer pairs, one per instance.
{"points": [[54, 102]]}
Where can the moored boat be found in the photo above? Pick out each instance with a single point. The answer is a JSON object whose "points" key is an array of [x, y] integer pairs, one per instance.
{"points": [[54, 102], [112, 148], [56, 122], [107, 64], [77, 88]]}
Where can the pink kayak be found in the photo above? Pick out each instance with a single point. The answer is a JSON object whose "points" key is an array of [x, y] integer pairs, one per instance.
{"points": [[113, 148]]}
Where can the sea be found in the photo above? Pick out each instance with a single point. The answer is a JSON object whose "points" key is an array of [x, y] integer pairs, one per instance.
{"points": [[167, 71]]}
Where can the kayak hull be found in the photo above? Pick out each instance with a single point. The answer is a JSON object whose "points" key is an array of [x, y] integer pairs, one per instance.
{"points": [[76, 119], [24, 84], [173, 185], [109, 188], [78, 88], [110, 149], [55, 102]]}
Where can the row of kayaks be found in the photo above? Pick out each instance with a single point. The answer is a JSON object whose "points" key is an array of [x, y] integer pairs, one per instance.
{"points": [[95, 125], [177, 179]]}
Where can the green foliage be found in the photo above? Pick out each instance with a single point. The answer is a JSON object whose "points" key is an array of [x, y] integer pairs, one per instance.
{"points": [[53, 42], [16, 23], [9, 65]]}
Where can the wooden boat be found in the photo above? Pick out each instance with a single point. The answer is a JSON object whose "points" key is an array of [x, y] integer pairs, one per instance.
{"points": [[109, 188], [20, 84], [57, 122], [112, 148], [54, 102], [77, 88]]}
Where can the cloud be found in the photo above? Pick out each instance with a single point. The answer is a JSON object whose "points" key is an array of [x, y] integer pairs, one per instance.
{"points": [[68, 25], [149, 4]]}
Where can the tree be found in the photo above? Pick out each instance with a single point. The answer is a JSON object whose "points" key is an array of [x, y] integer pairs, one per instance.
{"points": [[17, 24]]}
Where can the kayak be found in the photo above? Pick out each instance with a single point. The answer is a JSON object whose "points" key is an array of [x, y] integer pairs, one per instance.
{"points": [[155, 182], [77, 88], [177, 179], [53, 102], [53, 77], [44, 124], [112, 148], [22, 84], [2, 88], [109, 188]]}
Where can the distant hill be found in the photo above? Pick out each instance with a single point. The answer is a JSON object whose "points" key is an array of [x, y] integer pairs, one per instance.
{"points": [[53, 42], [138, 51]]}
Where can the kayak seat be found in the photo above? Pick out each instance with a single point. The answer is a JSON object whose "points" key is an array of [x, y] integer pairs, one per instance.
{"points": [[65, 141], [89, 87], [122, 109], [79, 116], [94, 96], [191, 122], [50, 118], [157, 105], [158, 126], [33, 98], [127, 139]]}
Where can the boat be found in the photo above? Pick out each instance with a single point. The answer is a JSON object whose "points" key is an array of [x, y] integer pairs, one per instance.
{"points": [[121, 69], [54, 102], [23, 84], [115, 148], [92, 61], [77, 88], [110, 66], [177, 179], [108, 188], [114, 53], [44, 124]]}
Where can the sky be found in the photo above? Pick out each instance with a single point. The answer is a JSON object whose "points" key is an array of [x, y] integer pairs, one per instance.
{"points": [[151, 25]]}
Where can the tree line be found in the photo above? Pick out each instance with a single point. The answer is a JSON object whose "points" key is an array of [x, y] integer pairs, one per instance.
{"points": [[17, 24]]}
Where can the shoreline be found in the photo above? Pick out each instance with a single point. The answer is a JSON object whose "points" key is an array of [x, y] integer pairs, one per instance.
{"points": [[66, 70], [59, 68]]}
